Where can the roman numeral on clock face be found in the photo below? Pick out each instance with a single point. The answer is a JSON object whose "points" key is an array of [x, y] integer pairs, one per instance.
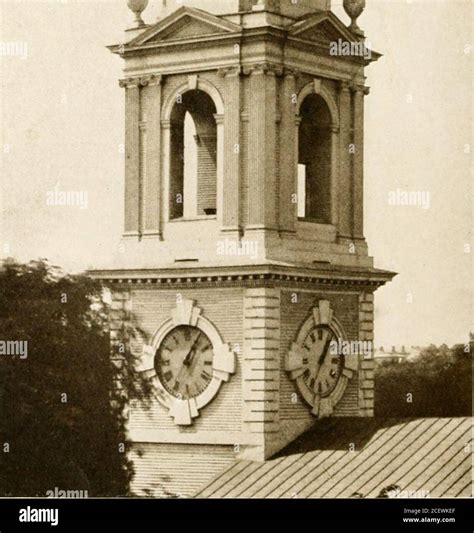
{"points": [[205, 375], [185, 370]]}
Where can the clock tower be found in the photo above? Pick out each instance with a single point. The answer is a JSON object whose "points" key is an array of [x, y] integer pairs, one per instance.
{"points": [[243, 259]]}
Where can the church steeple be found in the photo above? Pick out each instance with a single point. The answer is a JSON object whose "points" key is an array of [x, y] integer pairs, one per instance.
{"points": [[248, 126], [244, 260]]}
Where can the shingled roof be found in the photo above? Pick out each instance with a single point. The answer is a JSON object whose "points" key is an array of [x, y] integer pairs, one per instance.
{"points": [[428, 457]]}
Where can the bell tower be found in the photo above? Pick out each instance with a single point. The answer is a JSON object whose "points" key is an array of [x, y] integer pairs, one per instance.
{"points": [[243, 258]]}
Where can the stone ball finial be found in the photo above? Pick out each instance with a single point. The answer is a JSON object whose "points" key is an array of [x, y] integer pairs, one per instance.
{"points": [[354, 9], [137, 7]]}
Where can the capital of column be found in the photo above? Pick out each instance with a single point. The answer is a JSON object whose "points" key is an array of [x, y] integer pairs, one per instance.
{"points": [[128, 83], [233, 70], [141, 81], [344, 87], [360, 89], [291, 72], [150, 79], [263, 68]]}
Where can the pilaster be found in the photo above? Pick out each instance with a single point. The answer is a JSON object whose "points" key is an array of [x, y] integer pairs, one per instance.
{"points": [[132, 156], [261, 367], [345, 157], [231, 208], [358, 182], [262, 147], [151, 101], [288, 154], [367, 363]]}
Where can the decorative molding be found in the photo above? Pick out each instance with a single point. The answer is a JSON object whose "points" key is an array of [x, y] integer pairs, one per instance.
{"points": [[150, 79], [238, 279], [141, 81], [292, 72], [234, 70], [263, 68], [317, 84], [193, 80]]}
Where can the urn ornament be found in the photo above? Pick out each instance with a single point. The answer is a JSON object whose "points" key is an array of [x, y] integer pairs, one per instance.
{"points": [[354, 9], [137, 7]]}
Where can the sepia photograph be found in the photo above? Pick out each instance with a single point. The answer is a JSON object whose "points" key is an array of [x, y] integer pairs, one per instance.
{"points": [[236, 265]]}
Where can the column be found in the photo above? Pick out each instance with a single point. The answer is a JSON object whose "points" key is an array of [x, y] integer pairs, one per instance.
{"points": [[345, 181], [151, 115], [288, 154], [132, 160], [165, 169], [335, 163], [262, 142], [221, 176], [358, 180], [231, 193]]}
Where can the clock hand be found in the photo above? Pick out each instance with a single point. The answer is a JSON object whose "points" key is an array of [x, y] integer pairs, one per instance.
{"points": [[325, 349], [189, 357]]}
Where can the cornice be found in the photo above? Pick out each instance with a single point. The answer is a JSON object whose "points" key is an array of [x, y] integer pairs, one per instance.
{"points": [[370, 279]]}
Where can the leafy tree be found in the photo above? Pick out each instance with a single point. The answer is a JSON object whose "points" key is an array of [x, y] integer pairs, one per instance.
{"points": [[61, 407], [437, 384]]}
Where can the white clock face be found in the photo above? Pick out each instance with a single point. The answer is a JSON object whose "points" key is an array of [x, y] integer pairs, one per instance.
{"points": [[187, 361], [183, 362], [322, 368], [314, 361]]}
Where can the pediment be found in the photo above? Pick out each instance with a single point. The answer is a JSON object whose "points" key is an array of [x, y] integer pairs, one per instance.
{"points": [[186, 23], [322, 28]]}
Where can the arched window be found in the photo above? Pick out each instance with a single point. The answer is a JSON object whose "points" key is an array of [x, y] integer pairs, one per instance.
{"points": [[314, 160], [193, 156]]}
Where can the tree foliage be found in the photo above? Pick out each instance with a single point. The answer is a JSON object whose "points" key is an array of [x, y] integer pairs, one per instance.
{"points": [[61, 409], [436, 384]]}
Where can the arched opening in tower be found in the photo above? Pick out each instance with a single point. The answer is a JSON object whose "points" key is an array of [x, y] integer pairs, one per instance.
{"points": [[314, 161], [193, 156]]}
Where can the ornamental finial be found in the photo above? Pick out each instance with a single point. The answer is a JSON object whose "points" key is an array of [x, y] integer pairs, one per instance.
{"points": [[354, 9], [137, 7]]}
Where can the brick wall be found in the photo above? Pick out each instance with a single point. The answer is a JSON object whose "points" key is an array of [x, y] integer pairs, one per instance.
{"points": [[367, 365]]}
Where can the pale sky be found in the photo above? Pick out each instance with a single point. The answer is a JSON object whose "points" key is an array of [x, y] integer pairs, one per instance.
{"points": [[62, 125]]}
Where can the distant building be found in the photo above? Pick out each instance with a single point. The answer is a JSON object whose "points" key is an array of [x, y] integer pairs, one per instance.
{"points": [[396, 354]]}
